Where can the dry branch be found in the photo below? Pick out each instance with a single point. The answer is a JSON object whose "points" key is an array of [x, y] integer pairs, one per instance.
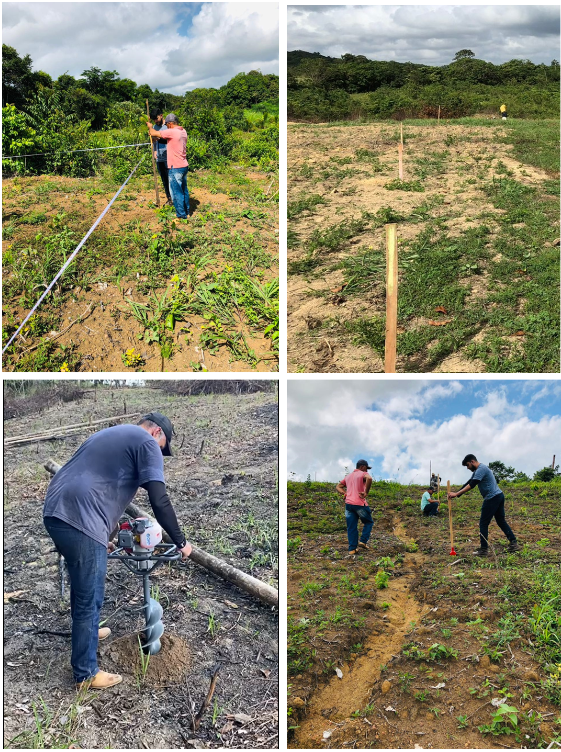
{"points": [[53, 433], [227, 572]]}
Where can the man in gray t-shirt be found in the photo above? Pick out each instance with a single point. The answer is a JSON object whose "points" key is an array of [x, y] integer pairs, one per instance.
{"points": [[82, 508], [493, 503]]}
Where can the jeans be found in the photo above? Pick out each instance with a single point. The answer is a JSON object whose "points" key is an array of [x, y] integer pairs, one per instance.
{"points": [[87, 564], [179, 192], [354, 513], [163, 170], [494, 507], [431, 509]]}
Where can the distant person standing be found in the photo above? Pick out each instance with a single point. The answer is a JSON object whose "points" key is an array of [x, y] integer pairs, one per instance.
{"points": [[493, 503], [176, 138], [355, 487], [161, 151], [503, 111]]}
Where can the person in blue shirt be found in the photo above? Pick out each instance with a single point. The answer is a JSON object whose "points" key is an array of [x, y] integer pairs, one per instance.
{"points": [[429, 507], [493, 503], [161, 151]]}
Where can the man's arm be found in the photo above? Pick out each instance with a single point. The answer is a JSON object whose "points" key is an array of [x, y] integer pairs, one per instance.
{"points": [[368, 485], [158, 134], [466, 489], [165, 514], [340, 488]]}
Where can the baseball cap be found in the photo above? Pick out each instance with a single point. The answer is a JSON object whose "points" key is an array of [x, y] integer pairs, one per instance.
{"points": [[171, 118], [166, 426], [363, 462]]}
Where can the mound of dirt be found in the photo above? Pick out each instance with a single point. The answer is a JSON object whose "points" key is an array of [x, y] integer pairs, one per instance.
{"points": [[169, 666]]}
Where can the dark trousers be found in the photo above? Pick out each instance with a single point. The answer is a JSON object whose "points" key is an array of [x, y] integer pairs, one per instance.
{"points": [[494, 507], [431, 509], [354, 513], [87, 564], [163, 170]]}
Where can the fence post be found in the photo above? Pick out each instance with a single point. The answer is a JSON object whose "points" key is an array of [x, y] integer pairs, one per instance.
{"points": [[391, 299]]}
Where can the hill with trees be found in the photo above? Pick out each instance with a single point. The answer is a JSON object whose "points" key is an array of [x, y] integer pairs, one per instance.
{"points": [[324, 88]]}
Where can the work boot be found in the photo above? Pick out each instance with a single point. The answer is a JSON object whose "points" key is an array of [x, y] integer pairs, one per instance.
{"points": [[351, 553], [102, 680], [364, 545], [514, 547], [481, 552], [103, 633]]}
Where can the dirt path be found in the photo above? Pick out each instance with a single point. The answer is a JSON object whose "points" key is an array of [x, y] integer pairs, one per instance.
{"points": [[330, 710]]}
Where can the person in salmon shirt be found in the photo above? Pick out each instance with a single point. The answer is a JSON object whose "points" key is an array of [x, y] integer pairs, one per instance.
{"points": [[355, 487], [176, 137]]}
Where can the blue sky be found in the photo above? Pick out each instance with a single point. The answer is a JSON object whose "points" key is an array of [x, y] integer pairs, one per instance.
{"points": [[401, 426], [429, 34], [174, 47]]}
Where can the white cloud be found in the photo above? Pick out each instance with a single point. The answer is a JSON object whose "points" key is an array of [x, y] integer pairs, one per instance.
{"points": [[430, 34], [330, 420], [142, 40]]}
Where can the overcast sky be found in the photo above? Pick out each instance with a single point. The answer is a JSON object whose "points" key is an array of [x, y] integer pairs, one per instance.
{"points": [[429, 34], [399, 427], [170, 46]]}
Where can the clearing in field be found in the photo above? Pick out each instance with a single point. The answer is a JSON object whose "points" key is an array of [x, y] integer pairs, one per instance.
{"points": [[145, 293], [478, 235], [222, 483], [404, 646]]}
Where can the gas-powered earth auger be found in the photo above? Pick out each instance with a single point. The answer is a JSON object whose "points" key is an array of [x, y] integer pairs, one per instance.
{"points": [[140, 549]]}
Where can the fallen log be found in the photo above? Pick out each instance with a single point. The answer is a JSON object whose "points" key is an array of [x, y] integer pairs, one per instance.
{"points": [[53, 433], [227, 572]]}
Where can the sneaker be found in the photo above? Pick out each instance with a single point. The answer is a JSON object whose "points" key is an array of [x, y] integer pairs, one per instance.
{"points": [[364, 545], [351, 553], [102, 680], [514, 547], [481, 552], [103, 633]]}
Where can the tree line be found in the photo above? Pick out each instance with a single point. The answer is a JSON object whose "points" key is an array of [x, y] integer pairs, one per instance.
{"points": [[34, 105], [503, 472], [322, 87]]}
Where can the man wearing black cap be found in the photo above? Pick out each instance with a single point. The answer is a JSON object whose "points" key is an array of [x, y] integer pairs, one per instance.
{"points": [[84, 502], [355, 487]]}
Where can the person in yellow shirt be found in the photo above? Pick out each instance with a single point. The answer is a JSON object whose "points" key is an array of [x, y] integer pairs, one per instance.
{"points": [[503, 111]]}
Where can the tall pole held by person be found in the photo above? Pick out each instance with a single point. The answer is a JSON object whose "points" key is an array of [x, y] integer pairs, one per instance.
{"points": [[154, 169]]}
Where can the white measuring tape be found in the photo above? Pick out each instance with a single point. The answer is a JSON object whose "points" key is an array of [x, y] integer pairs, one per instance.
{"points": [[73, 151], [69, 261]]}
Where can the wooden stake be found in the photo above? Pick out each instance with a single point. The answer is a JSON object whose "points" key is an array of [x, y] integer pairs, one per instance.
{"points": [[154, 169], [391, 298], [452, 551], [400, 154], [553, 463], [439, 113]]}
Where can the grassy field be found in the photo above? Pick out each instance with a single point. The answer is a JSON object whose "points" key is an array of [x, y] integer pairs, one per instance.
{"points": [[146, 293], [478, 235], [222, 481], [428, 646]]}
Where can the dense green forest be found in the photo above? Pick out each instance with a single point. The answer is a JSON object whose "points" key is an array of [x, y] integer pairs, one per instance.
{"points": [[324, 88], [237, 122]]}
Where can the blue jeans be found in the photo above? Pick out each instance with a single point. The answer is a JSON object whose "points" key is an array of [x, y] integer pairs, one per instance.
{"points": [[494, 507], [177, 177], [163, 170], [354, 513], [87, 564]]}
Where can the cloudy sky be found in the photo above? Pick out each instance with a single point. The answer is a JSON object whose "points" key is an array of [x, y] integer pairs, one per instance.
{"points": [[400, 426], [429, 34], [170, 46]]}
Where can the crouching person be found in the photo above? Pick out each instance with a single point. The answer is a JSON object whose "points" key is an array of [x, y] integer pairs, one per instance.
{"points": [[429, 507]]}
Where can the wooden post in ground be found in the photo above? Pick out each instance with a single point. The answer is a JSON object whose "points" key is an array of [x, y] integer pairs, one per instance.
{"points": [[391, 299], [452, 551], [439, 113], [553, 463], [400, 153], [154, 169]]}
